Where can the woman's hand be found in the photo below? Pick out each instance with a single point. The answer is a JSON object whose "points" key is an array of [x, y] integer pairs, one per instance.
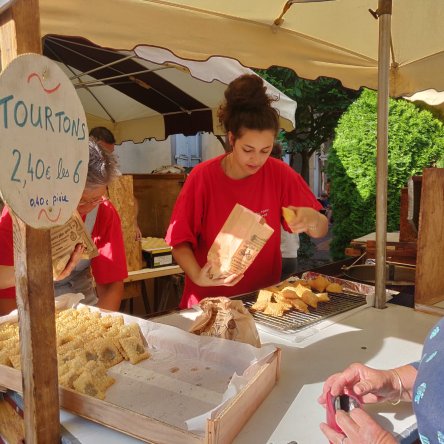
{"points": [[204, 278], [76, 256], [367, 384], [308, 220], [358, 428]]}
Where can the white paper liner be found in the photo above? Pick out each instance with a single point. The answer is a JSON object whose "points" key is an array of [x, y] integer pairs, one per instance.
{"points": [[188, 378]]}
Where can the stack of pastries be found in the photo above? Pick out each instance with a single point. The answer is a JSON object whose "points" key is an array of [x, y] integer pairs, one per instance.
{"points": [[298, 295], [88, 344]]}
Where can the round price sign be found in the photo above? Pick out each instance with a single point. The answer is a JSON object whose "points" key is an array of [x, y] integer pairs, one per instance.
{"points": [[44, 142]]}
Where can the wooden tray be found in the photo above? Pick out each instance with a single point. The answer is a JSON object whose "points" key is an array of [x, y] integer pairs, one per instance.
{"points": [[222, 429]]}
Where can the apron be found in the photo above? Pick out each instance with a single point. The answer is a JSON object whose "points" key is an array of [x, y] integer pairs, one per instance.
{"points": [[80, 280]]}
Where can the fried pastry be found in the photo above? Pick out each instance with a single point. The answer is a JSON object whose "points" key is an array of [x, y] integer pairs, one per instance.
{"points": [[310, 298], [274, 309], [320, 283], [289, 292], [300, 305], [322, 297], [334, 288]]}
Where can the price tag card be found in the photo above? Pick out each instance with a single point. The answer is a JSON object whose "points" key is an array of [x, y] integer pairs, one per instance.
{"points": [[43, 142]]}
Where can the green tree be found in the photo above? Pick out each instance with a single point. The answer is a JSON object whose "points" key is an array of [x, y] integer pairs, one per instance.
{"points": [[320, 104], [416, 141]]}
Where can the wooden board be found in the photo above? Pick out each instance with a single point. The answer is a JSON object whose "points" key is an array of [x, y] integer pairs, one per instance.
{"points": [[120, 192], [156, 195], [221, 430], [429, 285], [12, 426], [406, 231], [20, 33]]}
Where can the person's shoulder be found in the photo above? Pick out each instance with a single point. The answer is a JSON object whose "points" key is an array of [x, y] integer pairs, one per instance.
{"points": [[107, 211], [5, 217], [280, 168], [207, 165], [205, 170]]}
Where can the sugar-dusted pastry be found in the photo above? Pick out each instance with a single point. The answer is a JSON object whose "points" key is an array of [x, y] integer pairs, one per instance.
{"points": [[86, 384], [134, 349], [108, 354], [334, 288]]}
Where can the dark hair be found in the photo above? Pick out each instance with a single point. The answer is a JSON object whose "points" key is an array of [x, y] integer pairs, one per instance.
{"points": [[101, 133], [248, 106], [102, 166]]}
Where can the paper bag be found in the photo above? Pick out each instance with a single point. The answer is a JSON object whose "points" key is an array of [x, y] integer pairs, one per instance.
{"points": [[228, 319], [238, 243], [64, 239]]}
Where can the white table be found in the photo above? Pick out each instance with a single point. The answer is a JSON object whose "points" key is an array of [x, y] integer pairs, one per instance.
{"points": [[381, 338]]}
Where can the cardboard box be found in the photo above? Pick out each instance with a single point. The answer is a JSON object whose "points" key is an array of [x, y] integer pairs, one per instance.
{"points": [[158, 257]]}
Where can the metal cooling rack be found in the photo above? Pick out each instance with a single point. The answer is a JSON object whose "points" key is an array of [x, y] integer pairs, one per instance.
{"points": [[293, 321]]}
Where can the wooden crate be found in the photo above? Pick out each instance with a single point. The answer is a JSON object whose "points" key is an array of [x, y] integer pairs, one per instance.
{"points": [[220, 430]]}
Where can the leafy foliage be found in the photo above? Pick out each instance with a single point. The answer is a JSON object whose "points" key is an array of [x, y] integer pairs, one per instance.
{"points": [[320, 104], [416, 141]]}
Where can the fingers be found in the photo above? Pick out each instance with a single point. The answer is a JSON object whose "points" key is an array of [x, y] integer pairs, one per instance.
{"points": [[327, 388], [347, 423], [206, 270], [76, 256], [332, 435], [233, 279]]}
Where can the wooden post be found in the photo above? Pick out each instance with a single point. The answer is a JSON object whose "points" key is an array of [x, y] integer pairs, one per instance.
{"points": [[20, 33], [385, 16]]}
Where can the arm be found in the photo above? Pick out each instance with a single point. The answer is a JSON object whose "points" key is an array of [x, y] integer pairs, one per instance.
{"points": [[7, 305], [184, 256], [308, 220], [110, 295]]}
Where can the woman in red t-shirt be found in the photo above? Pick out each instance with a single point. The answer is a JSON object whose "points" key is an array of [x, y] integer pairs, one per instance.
{"points": [[102, 221], [248, 176]]}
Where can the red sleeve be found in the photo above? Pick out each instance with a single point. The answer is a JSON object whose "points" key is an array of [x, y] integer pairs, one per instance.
{"points": [[297, 192], [186, 220], [110, 265], [6, 249]]}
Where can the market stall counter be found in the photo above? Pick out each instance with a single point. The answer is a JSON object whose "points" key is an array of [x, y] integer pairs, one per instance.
{"points": [[290, 413]]}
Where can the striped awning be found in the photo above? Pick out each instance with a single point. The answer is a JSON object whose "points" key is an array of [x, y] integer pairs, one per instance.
{"points": [[149, 92]]}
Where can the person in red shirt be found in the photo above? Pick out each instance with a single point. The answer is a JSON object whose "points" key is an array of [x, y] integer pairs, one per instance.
{"points": [[102, 221], [246, 175]]}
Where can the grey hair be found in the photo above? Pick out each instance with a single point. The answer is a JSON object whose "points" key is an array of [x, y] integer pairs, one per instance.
{"points": [[102, 166]]}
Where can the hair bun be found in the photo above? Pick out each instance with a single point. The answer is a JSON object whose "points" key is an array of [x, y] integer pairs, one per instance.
{"points": [[248, 92]]}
